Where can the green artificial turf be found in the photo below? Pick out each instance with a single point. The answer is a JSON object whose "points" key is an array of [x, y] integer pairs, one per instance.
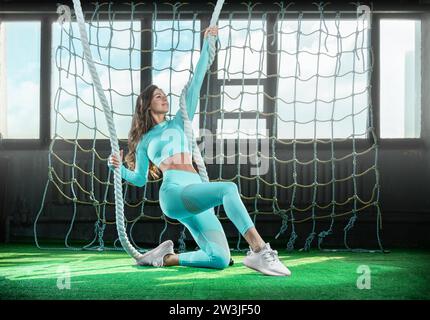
{"points": [[30, 273]]}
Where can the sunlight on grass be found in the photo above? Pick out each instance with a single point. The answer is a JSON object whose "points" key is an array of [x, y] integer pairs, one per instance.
{"points": [[15, 254], [19, 266], [302, 261], [86, 266], [174, 284], [23, 266]]}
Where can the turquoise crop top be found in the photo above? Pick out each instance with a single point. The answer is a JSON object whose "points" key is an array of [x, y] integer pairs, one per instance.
{"points": [[167, 137]]}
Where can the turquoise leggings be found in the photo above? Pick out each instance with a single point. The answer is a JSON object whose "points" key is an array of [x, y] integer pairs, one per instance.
{"points": [[184, 197]]}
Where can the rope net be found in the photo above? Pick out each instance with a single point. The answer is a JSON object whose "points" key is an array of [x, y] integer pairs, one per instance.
{"points": [[285, 112]]}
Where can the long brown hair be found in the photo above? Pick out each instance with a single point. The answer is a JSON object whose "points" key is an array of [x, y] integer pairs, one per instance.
{"points": [[141, 123]]}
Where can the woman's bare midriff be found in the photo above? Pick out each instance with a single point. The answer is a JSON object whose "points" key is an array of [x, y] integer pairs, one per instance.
{"points": [[179, 161]]}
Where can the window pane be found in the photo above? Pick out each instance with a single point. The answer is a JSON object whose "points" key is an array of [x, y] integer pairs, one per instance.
{"points": [[248, 98], [19, 79], [400, 95], [242, 53], [229, 129], [334, 104], [172, 68], [77, 111]]}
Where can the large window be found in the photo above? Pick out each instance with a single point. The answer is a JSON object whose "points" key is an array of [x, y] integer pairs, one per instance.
{"points": [[19, 80], [400, 94], [323, 85], [76, 110]]}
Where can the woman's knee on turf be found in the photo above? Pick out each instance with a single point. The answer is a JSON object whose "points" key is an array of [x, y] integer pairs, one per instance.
{"points": [[220, 259]]}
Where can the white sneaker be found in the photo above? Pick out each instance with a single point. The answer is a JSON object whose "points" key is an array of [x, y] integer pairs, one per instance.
{"points": [[155, 257], [266, 261]]}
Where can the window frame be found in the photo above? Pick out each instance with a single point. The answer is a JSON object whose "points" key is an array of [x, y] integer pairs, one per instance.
{"points": [[42, 142], [376, 81]]}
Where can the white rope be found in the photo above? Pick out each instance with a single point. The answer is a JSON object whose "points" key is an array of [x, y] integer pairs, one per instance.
{"points": [[188, 130], [119, 208], [119, 204]]}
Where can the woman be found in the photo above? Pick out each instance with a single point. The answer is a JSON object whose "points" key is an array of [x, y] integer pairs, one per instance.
{"points": [[183, 195]]}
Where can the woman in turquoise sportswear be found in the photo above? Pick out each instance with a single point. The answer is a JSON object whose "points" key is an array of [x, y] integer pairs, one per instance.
{"points": [[157, 143]]}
